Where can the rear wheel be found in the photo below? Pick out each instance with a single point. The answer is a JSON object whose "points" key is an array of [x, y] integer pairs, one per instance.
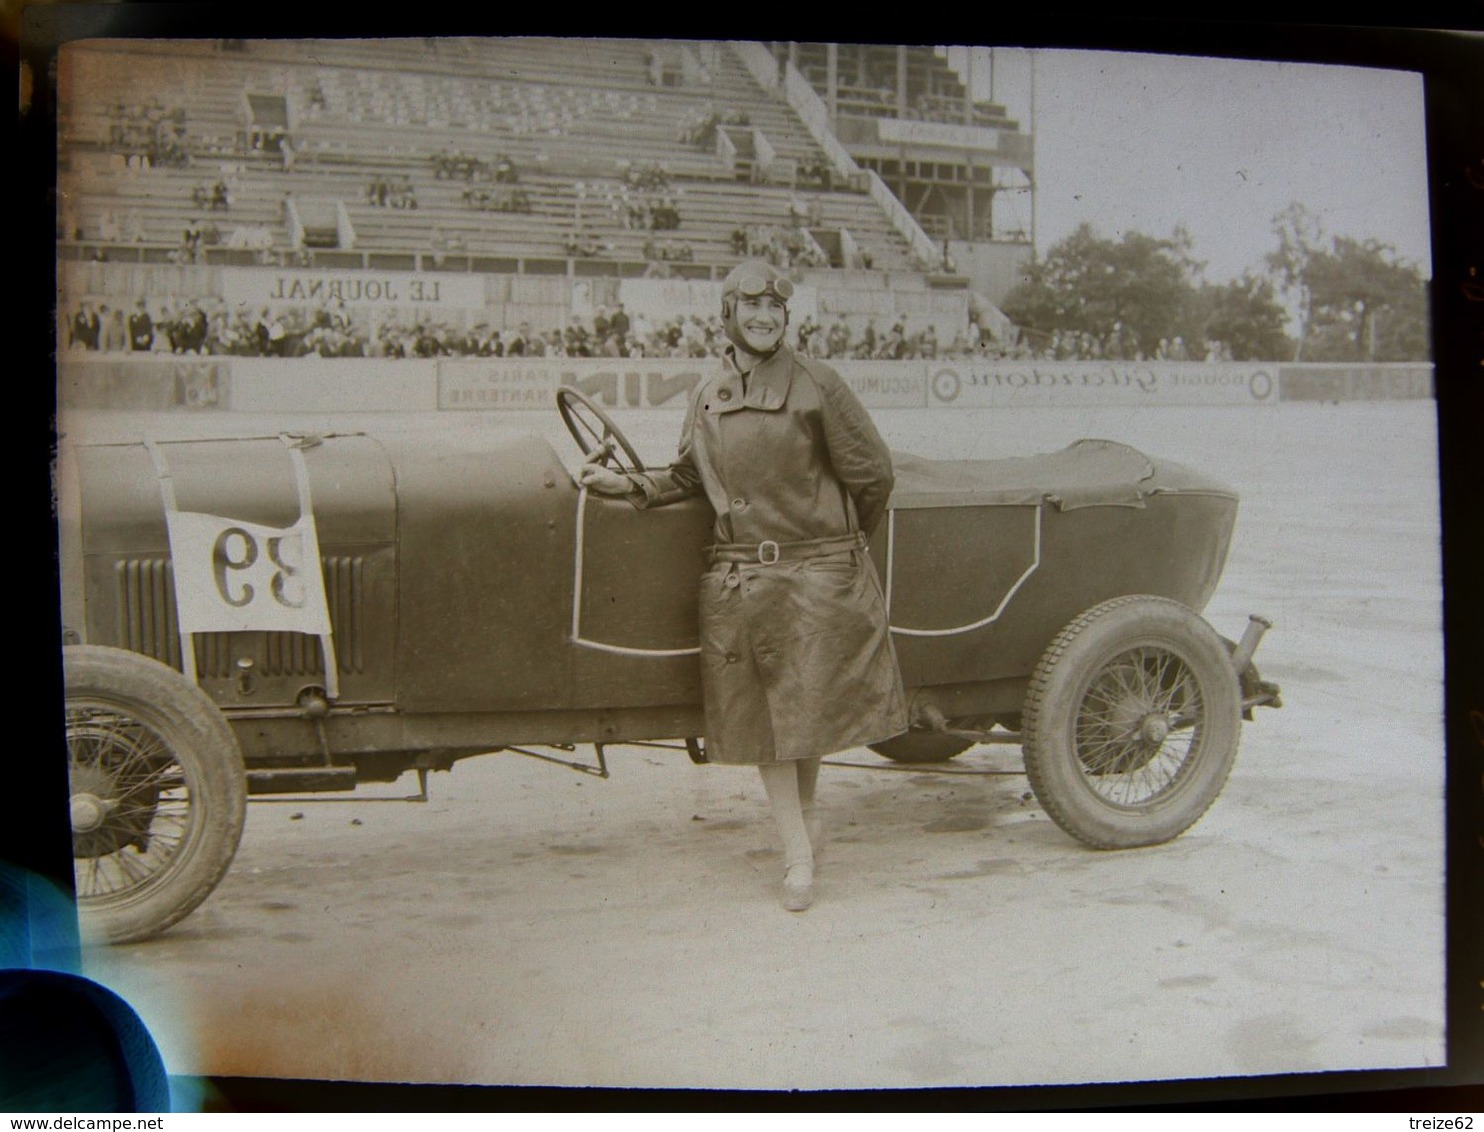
{"points": [[158, 792], [1131, 723]]}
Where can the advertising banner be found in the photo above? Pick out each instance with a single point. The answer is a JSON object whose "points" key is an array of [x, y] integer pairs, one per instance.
{"points": [[148, 382], [1344, 381], [531, 383], [333, 385], [1048, 384], [259, 287], [640, 383], [886, 385]]}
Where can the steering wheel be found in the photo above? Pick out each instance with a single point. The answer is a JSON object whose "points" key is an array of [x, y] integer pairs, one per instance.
{"points": [[595, 431]]}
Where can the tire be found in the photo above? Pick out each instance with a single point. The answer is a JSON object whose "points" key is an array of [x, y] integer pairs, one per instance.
{"points": [[1131, 723], [922, 747], [159, 794]]}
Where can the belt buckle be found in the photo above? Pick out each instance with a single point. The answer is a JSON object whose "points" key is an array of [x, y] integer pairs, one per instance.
{"points": [[762, 550]]}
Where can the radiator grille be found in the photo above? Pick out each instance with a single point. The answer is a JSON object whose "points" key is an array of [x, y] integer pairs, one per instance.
{"points": [[147, 623]]}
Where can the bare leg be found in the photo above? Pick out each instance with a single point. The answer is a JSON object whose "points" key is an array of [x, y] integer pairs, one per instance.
{"points": [[808, 779], [781, 781], [813, 819]]}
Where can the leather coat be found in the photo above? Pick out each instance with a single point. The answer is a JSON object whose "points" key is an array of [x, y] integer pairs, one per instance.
{"points": [[796, 657]]}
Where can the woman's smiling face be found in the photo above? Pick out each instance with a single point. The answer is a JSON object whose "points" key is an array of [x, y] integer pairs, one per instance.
{"points": [[761, 321]]}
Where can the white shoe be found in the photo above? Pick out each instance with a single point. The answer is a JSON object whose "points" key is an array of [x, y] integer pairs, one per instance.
{"points": [[798, 886]]}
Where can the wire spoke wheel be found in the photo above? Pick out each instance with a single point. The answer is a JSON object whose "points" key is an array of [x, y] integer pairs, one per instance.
{"points": [[131, 802], [158, 792], [1131, 722], [1132, 734]]}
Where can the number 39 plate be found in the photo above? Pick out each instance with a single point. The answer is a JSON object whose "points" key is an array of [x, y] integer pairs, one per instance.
{"points": [[233, 576]]}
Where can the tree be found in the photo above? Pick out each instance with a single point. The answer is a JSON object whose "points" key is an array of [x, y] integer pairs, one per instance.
{"points": [[1351, 299], [1128, 295], [1246, 317], [1300, 239], [1366, 304]]}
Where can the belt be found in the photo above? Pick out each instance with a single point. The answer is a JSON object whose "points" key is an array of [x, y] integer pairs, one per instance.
{"points": [[767, 552]]}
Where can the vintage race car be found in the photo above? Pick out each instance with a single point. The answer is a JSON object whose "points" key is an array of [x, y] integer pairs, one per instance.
{"points": [[303, 613]]}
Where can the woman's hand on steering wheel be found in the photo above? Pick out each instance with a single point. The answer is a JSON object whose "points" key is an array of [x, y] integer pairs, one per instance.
{"points": [[597, 477]]}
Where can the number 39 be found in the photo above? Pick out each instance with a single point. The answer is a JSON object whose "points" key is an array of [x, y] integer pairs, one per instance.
{"points": [[236, 552]]}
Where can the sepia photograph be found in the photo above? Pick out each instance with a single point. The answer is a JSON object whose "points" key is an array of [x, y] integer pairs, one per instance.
{"points": [[475, 454]]}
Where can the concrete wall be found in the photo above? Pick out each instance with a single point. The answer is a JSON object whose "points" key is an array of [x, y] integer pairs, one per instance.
{"points": [[266, 385]]}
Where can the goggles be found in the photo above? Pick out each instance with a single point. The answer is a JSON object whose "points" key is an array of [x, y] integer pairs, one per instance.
{"points": [[752, 286]]}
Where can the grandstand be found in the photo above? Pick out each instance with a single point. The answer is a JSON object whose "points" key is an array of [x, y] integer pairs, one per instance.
{"points": [[525, 157]]}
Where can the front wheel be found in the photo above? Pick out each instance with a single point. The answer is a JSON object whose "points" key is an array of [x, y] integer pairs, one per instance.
{"points": [[1131, 723], [159, 794]]}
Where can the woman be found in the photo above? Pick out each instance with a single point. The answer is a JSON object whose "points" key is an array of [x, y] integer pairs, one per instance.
{"points": [[796, 656]]}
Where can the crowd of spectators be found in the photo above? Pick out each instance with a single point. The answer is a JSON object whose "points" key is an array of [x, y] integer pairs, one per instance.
{"points": [[457, 165], [653, 177], [391, 192], [171, 328], [643, 199], [112, 227], [213, 198], [1117, 346], [783, 247], [209, 327], [499, 198], [582, 243], [896, 344], [149, 136], [668, 251]]}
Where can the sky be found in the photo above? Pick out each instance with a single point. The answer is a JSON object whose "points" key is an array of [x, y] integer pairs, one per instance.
{"points": [[1129, 141]]}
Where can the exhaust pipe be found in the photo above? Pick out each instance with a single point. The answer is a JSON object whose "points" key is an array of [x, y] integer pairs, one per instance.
{"points": [[1247, 646]]}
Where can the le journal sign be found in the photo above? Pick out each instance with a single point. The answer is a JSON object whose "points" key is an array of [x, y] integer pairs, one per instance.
{"points": [[257, 288]]}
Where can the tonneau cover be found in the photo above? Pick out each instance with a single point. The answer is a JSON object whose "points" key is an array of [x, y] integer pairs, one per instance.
{"points": [[1087, 473]]}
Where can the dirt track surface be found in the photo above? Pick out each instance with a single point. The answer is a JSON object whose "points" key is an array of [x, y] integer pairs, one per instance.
{"points": [[530, 925]]}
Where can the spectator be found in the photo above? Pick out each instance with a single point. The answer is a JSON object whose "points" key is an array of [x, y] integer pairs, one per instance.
{"points": [[517, 345], [190, 241], [189, 336], [87, 327], [141, 328], [277, 337], [838, 340], [806, 334], [583, 244], [115, 335], [927, 342], [619, 323]]}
